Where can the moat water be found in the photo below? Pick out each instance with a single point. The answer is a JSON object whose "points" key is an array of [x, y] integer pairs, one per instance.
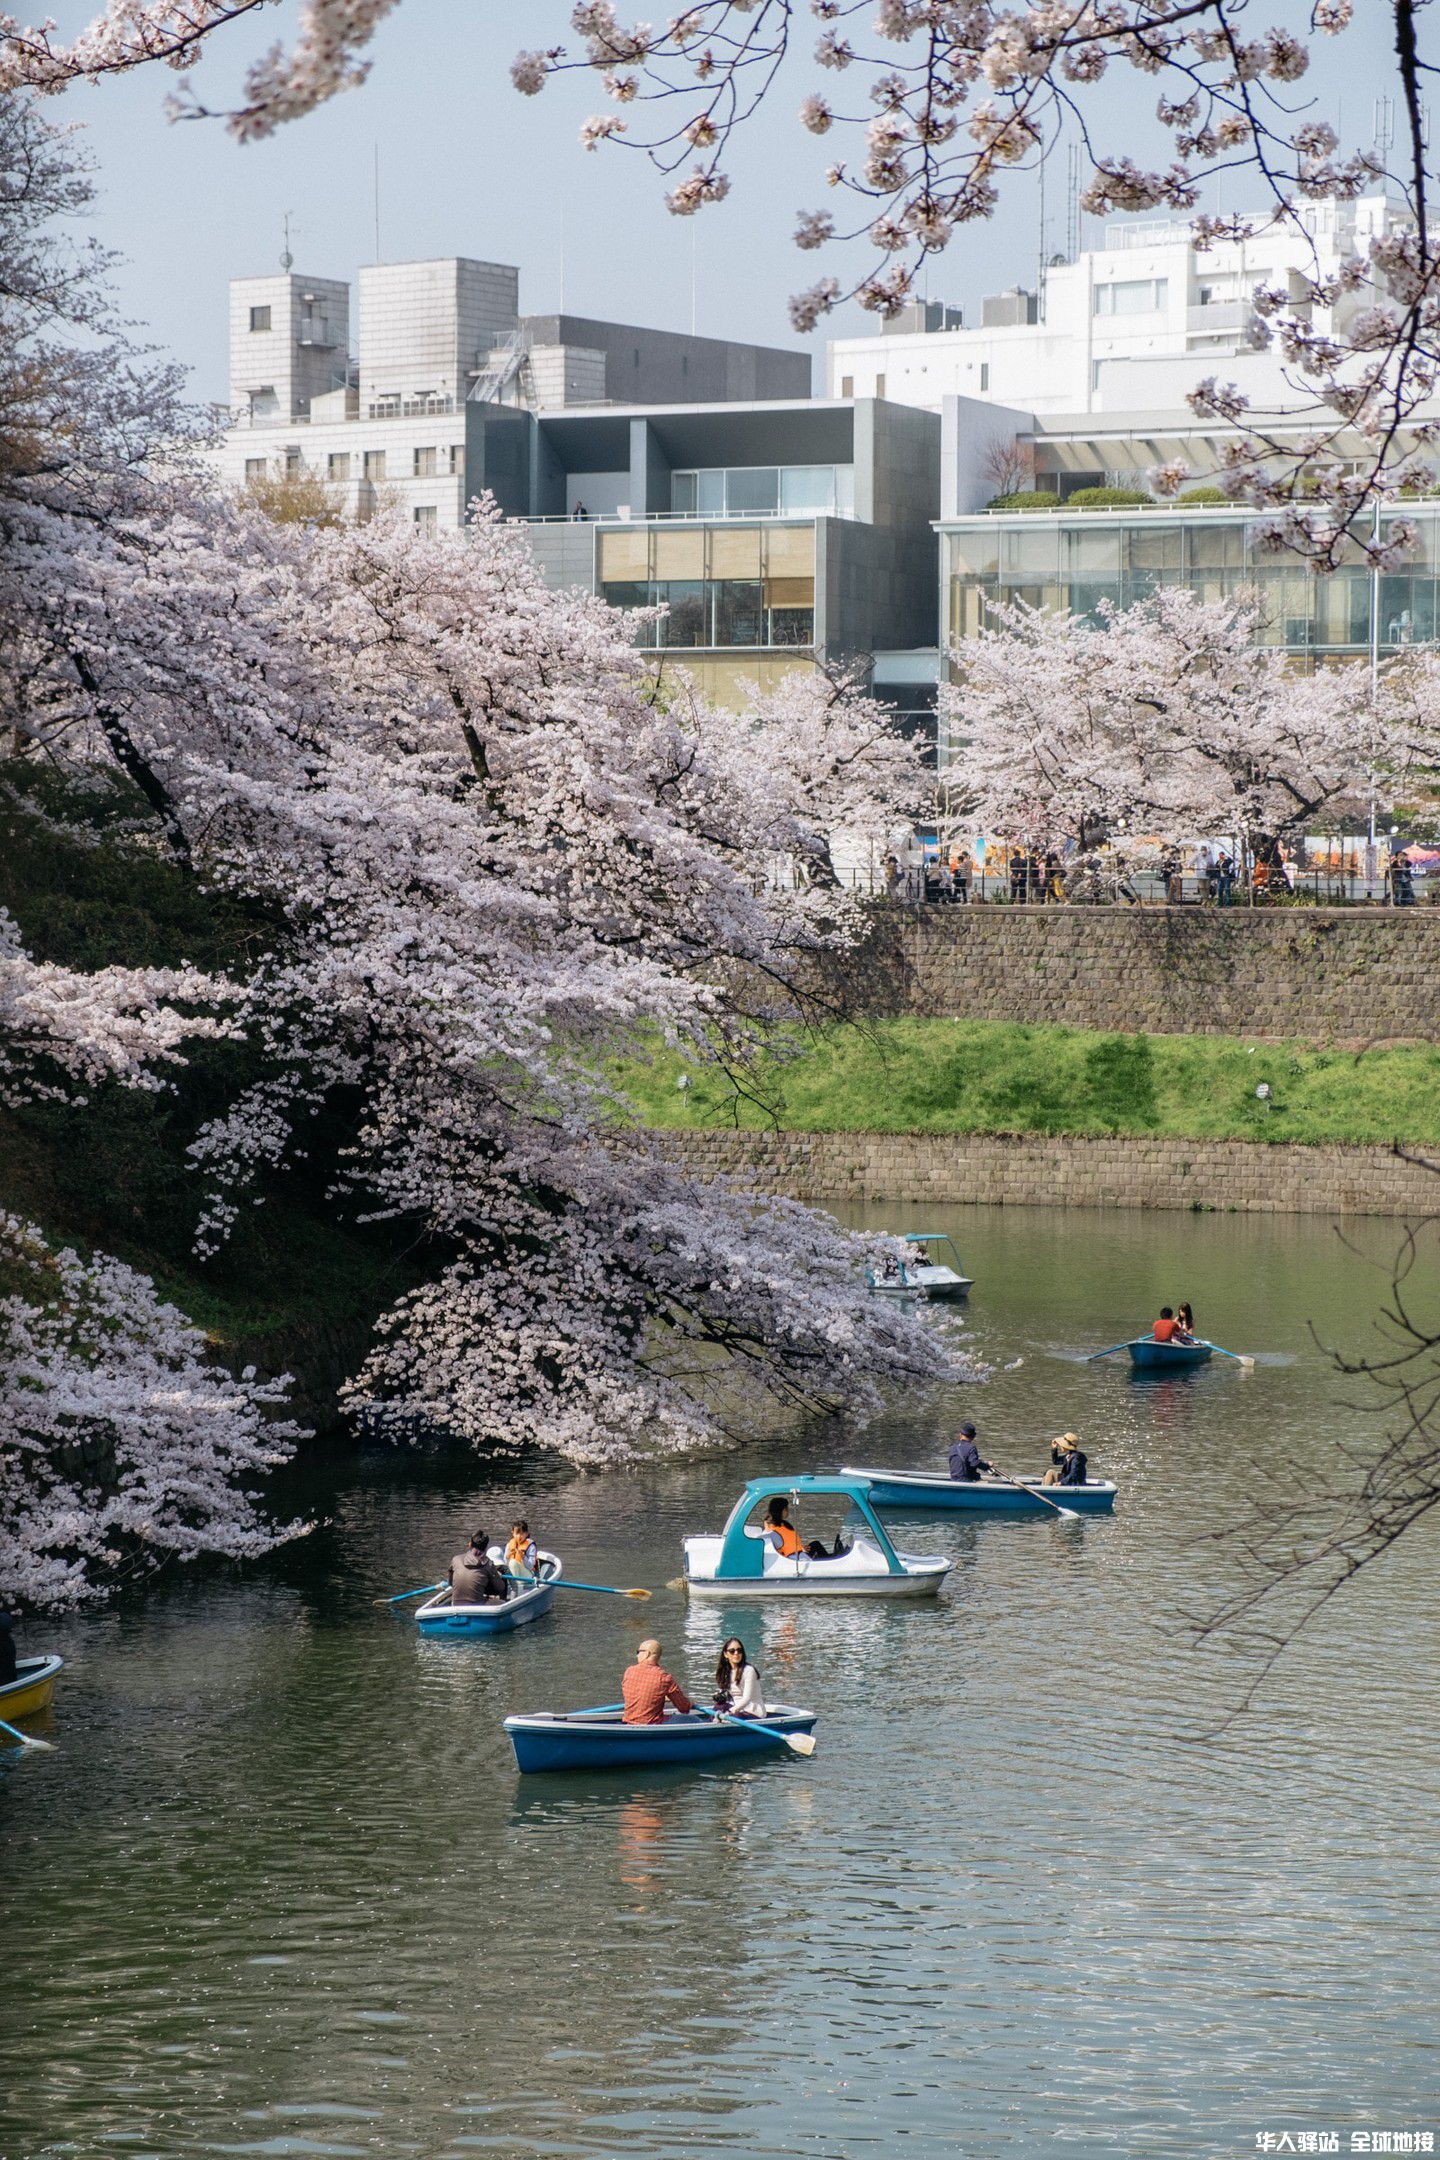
{"points": [[279, 1889]]}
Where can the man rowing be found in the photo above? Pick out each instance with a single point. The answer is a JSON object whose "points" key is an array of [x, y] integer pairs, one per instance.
{"points": [[1168, 1329], [646, 1687], [966, 1462], [473, 1576]]}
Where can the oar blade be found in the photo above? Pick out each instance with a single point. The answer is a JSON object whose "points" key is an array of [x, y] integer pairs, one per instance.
{"points": [[639, 1593], [800, 1743]]}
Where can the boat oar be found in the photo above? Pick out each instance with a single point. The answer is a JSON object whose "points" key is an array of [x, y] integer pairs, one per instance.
{"points": [[1107, 1353], [46, 1747], [799, 1743], [602, 1589], [1239, 1360], [401, 1595], [1070, 1514]]}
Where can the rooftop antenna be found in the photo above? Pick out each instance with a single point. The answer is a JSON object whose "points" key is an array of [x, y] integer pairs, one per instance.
{"points": [[1072, 202], [1384, 130], [287, 260], [377, 202], [694, 282]]}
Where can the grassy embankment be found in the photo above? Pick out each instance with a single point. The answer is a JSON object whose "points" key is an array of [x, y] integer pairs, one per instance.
{"points": [[959, 1076], [293, 1285]]}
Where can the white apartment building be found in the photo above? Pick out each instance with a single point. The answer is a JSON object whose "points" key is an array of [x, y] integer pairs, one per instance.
{"points": [[401, 420], [1126, 327]]}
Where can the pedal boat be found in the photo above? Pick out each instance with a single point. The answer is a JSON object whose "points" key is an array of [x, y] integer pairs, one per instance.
{"points": [[983, 1496], [1147, 1355], [742, 1563], [31, 1692], [929, 1274], [600, 1740], [532, 1596]]}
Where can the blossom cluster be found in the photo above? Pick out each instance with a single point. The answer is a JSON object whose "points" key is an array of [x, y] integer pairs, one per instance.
{"points": [[1172, 718]]}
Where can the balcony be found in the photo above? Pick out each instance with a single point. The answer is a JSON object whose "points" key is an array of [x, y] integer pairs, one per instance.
{"points": [[1218, 316]]}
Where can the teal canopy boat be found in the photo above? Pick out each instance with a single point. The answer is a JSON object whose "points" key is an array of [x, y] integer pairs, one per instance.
{"points": [[926, 1270], [742, 1563], [600, 1739], [983, 1496], [1147, 1355]]}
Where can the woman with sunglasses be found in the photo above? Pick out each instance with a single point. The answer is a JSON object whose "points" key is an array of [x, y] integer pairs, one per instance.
{"points": [[737, 1684]]}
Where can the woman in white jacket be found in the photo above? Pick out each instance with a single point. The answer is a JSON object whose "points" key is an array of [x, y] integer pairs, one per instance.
{"points": [[737, 1684]]}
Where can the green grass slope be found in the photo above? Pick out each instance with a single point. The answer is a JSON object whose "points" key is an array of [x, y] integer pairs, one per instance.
{"points": [[958, 1076]]}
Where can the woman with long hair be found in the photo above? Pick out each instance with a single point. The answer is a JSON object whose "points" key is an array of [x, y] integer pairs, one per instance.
{"points": [[737, 1684]]}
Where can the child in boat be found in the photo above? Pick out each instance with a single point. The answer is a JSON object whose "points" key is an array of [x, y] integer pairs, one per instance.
{"points": [[521, 1554], [737, 1684], [787, 1541]]}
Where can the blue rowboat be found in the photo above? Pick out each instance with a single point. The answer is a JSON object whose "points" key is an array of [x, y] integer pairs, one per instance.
{"points": [[530, 1598], [1151, 1356], [983, 1496], [600, 1740]]}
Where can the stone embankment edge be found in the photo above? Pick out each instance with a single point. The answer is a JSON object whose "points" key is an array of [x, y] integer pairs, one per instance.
{"points": [[1038, 1170]]}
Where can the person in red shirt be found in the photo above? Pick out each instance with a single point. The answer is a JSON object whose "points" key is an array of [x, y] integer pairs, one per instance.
{"points": [[1168, 1329], [647, 1687]]}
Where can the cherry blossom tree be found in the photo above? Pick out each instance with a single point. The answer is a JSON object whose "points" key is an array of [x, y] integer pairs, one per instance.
{"points": [[1171, 718], [493, 863], [952, 97], [122, 1445]]}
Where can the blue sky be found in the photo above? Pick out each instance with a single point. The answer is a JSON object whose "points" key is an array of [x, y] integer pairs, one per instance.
{"points": [[468, 167]]}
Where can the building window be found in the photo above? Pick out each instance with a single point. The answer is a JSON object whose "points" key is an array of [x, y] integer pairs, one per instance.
{"points": [[294, 464], [984, 374], [259, 318], [457, 453], [337, 465], [426, 465], [374, 464], [847, 386], [254, 468], [1131, 296], [425, 516], [879, 386], [762, 490], [684, 363]]}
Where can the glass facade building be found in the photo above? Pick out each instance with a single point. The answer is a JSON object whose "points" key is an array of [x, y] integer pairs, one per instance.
{"points": [[726, 586], [764, 491], [1076, 560]]}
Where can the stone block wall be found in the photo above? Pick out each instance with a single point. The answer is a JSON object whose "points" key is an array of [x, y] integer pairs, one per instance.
{"points": [[1345, 976], [1034, 1170]]}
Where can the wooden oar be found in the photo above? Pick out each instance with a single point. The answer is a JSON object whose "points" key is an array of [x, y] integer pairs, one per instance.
{"points": [[799, 1743], [46, 1747], [401, 1595], [1071, 1514], [1239, 1360], [1108, 1353], [602, 1589]]}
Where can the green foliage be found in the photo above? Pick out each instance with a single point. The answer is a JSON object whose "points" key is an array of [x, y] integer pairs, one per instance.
{"points": [[1200, 497], [1025, 499], [1106, 498], [978, 1076]]}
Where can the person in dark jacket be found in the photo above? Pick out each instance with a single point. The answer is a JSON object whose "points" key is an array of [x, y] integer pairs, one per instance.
{"points": [[473, 1576], [1067, 1462], [966, 1461]]}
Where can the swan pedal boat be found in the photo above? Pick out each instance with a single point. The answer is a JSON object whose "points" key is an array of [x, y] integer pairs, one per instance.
{"points": [[32, 1690], [601, 1740], [532, 1597], [926, 1276], [742, 1563], [984, 1496], [1151, 1356]]}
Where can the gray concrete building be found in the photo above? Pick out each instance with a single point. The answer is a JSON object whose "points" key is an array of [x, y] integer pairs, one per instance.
{"points": [[775, 534], [436, 341]]}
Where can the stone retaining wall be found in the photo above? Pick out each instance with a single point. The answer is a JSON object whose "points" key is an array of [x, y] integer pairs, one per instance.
{"points": [[1031, 1170], [1338, 975]]}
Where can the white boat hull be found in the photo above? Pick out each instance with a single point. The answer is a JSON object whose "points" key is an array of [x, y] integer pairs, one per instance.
{"points": [[892, 1586], [861, 1572]]}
